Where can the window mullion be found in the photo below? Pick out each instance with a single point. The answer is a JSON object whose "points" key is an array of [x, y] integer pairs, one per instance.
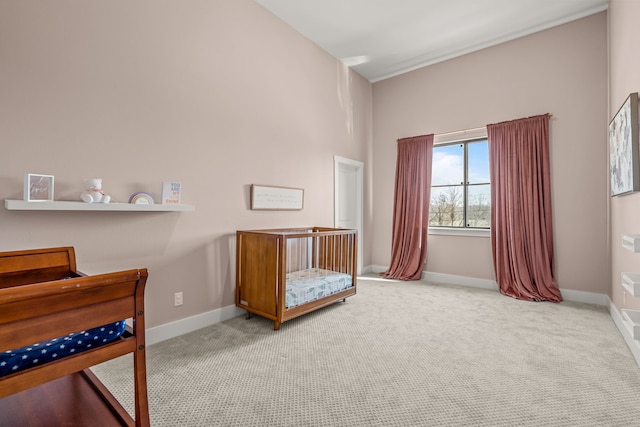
{"points": [[465, 185]]}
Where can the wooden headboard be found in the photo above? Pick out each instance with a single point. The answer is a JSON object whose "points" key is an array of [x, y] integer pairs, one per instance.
{"points": [[36, 265]]}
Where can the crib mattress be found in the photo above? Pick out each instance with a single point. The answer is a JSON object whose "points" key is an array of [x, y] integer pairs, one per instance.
{"points": [[12, 361], [308, 285]]}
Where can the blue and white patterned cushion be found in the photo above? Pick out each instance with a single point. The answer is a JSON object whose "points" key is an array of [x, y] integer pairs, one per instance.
{"points": [[12, 361], [307, 285]]}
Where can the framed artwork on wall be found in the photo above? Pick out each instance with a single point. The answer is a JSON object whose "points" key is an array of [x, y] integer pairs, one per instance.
{"points": [[265, 197], [38, 188], [623, 148]]}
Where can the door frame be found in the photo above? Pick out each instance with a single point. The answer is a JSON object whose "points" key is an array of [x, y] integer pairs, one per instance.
{"points": [[359, 168]]}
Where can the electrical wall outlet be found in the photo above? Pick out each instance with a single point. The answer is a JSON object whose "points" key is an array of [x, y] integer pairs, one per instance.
{"points": [[177, 299]]}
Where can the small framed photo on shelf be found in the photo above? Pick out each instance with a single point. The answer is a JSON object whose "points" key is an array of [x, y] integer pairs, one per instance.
{"points": [[171, 193], [38, 188]]}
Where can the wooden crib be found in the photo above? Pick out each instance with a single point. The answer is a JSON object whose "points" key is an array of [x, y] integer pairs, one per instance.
{"points": [[285, 273], [42, 298]]}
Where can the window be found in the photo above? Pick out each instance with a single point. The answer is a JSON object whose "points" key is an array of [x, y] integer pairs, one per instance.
{"points": [[460, 185]]}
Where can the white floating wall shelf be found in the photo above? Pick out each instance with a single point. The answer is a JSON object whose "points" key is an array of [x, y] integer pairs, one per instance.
{"points": [[631, 282], [632, 321], [631, 242], [21, 205]]}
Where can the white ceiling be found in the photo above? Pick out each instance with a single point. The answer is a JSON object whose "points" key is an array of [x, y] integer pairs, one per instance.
{"points": [[383, 38]]}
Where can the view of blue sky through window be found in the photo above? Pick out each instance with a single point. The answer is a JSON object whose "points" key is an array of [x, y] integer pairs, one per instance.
{"points": [[461, 191]]}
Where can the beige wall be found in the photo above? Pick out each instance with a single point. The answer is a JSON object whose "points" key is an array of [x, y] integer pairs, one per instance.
{"points": [[221, 94], [624, 78], [215, 94], [562, 71]]}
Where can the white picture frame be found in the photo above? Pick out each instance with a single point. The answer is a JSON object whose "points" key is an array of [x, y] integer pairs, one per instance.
{"points": [[38, 188], [264, 197]]}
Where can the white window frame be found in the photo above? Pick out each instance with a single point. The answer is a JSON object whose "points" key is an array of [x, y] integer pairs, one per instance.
{"points": [[447, 138]]}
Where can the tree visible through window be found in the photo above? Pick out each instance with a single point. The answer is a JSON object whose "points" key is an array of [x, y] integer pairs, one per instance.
{"points": [[460, 185]]}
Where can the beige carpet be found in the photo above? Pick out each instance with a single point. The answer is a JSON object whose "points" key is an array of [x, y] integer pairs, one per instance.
{"points": [[397, 354]]}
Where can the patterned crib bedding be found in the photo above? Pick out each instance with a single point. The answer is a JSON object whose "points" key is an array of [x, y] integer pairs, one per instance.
{"points": [[307, 285], [12, 361]]}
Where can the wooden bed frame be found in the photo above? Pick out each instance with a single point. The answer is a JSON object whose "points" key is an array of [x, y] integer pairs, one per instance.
{"points": [[261, 268], [36, 305]]}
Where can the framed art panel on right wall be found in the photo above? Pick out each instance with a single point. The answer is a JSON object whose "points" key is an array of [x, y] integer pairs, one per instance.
{"points": [[624, 169]]}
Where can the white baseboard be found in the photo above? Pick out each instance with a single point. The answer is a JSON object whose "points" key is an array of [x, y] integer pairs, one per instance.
{"points": [[368, 270], [190, 324], [585, 297], [567, 294], [451, 279]]}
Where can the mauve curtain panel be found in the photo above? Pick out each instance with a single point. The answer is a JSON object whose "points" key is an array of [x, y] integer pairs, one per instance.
{"points": [[521, 226], [411, 208]]}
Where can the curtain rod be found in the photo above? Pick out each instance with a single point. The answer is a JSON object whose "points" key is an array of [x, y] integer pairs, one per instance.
{"points": [[461, 131], [476, 129]]}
